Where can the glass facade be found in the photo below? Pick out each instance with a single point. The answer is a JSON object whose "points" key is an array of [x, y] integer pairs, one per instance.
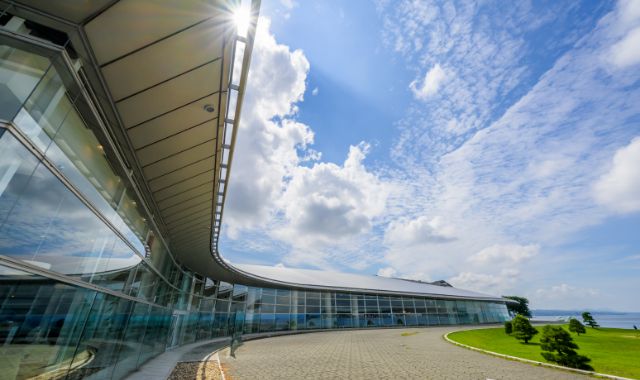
{"points": [[88, 287], [286, 309]]}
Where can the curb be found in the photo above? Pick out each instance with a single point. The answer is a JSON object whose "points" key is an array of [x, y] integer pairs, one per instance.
{"points": [[534, 362]]}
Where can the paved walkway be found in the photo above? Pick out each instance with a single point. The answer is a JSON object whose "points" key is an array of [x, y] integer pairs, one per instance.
{"points": [[373, 354], [160, 367]]}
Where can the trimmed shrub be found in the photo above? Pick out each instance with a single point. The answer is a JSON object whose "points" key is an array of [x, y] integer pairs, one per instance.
{"points": [[508, 327], [576, 327], [522, 329], [557, 346], [588, 320]]}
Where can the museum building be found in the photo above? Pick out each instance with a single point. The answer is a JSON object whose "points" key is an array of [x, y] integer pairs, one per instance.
{"points": [[118, 122]]}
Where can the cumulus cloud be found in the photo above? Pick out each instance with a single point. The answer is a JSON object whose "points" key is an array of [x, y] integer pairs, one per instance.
{"points": [[504, 153], [387, 272], [619, 188], [269, 138], [421, 230], [280, 192], [495, 269], [497, 283], [430, 84], [328, 202], [500, 253]]}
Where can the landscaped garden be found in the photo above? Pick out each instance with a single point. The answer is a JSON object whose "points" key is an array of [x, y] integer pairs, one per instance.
{"points": [[612, 351]]}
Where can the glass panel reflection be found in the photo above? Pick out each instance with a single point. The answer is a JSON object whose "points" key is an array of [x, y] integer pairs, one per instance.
{"points": [[40, 324], [46, 225]]}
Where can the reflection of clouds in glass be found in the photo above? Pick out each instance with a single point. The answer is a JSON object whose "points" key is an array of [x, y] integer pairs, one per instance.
{"points": [[9, 272], [65, 165], [14, 163], [70, 265], [43, 221]]}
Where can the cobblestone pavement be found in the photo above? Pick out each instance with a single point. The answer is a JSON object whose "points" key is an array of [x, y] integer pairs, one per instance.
{"points": [[373, 354]]}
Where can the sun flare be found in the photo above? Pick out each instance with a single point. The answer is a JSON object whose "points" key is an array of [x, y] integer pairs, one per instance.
{"points": [[241, 18]]}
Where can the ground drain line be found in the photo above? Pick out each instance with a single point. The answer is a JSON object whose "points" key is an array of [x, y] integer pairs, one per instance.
{"points": [[515, 358]]}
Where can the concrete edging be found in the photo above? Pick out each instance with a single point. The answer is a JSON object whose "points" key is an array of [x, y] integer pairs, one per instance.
{"points": [[534, 362]]}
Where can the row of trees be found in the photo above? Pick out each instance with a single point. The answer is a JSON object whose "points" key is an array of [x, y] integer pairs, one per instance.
{"points": [[556, 343], [522, 308]]}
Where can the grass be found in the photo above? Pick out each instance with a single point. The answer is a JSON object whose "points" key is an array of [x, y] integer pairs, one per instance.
{"points": [[612, 351], [409, 333]]}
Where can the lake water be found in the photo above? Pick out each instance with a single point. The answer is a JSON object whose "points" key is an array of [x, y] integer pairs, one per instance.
{"points": [[617, 320]]}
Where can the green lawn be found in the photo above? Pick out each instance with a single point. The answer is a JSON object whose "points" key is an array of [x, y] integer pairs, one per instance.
{"points": [[612, 351]]}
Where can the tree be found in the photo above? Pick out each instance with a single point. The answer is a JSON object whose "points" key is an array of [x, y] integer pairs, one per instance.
{"points": [[508, 327], [558, 347], [522, 307], [588, 320], [576, 327], [522, 329]]}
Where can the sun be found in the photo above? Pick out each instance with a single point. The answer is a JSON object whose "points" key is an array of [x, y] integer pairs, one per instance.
{"points": [[242, 17]]}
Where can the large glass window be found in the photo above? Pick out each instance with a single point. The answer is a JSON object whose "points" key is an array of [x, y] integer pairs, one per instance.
{"points": [[48, 115], [33, 95], [40, 324], [44, 224], [20, 72], [102, 336]]}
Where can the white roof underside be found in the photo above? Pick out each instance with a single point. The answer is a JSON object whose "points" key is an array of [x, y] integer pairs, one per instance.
{"points": [[162, 69]]}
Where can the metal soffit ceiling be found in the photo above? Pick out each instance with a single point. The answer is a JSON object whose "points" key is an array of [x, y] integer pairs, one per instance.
{"points": [[167, 70], [168, 76]]}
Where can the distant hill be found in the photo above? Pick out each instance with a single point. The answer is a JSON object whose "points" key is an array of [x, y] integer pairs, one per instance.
{"points": [[556, 312]]}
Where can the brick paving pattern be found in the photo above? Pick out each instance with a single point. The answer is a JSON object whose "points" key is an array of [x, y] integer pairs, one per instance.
{"points": [[373, 354]]}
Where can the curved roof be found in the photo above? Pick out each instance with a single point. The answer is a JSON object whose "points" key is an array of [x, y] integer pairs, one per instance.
{"points": [[350, 282]]}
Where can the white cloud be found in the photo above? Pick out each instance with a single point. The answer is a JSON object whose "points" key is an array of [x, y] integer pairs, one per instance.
{"points": [[628, 14], [497, 284], [619, 188], [326, 203], [315, 91], [421, 230], [570, 295], [564, 291], [269, 138], [625, 29], [503, 156], [507, 153], [289, 4], [280, 194], [627, 52], [387, 272], [494, 269], [511, 253], [431, 83]]}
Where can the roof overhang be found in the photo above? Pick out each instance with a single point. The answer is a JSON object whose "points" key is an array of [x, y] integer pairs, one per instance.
{"points": [[168, 77]]}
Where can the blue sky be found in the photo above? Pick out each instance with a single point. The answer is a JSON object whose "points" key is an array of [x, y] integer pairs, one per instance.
{"points": [[495, 147]]}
